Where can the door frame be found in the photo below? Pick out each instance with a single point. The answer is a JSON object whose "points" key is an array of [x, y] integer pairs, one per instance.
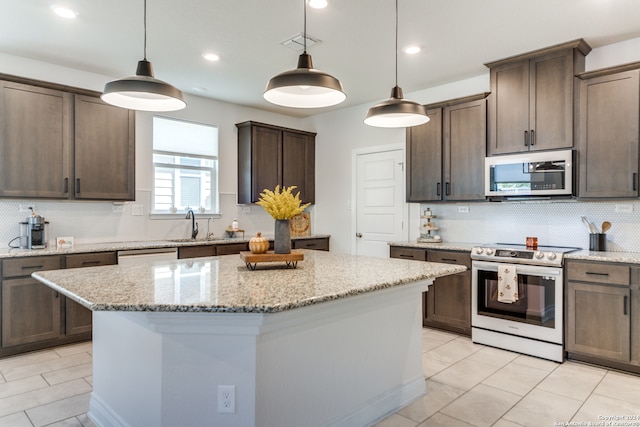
{"points": [[354, 186]]}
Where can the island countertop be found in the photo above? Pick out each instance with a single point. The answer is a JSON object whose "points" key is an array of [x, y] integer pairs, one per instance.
{"points": [[224, 284]]}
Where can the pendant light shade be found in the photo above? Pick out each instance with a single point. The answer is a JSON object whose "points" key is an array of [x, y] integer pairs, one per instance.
{"points": [[304, 87], [143, 91], [396, 111]]}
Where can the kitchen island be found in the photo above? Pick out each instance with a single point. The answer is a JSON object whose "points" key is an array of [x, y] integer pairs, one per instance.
{"points": [[336, 341]]}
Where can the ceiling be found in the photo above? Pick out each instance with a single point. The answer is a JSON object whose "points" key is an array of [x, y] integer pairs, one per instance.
{"points": [[356, 39]]}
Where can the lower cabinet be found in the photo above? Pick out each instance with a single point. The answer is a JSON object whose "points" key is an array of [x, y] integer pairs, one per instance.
{"points": [[34, 316], [30, 312], [601, 319], [447, 303], [319, 243]]}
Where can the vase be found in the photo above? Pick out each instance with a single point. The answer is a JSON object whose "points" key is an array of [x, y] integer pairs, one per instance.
{"points": [[282, 240]]}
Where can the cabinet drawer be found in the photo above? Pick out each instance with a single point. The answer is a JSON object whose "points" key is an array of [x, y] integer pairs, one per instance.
{"points": [[196, 251], [408, 253], [317, 244], [232, 248], [25, 266], [460, 258], [91, 260], [598, 272]]}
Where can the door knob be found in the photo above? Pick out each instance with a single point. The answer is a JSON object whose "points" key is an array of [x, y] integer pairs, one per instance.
{"points": [[358, 235]]}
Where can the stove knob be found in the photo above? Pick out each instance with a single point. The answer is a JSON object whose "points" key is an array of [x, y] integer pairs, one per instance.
{"points": [[538, 254], [551, 255], [489, 251], [479, 251]]}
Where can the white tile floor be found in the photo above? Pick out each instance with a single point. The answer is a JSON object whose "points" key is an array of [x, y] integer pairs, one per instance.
{"points": [[467, 385]]}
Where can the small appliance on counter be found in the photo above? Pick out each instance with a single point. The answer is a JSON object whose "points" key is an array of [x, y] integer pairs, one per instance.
{"points": [[427, 227], [33, 232]]}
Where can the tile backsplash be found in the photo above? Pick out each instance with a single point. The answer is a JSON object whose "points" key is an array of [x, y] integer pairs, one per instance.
{"points": [[555, 223]]}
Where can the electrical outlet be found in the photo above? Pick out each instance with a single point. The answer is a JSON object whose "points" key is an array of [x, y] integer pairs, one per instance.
{"points": [[626, 207], [226, 399], [136, 210], [117, 208], [246, 209], [26, 207], [463, 209]]}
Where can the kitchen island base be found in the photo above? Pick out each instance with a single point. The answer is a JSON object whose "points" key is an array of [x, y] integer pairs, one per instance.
{"points": [[347, 362]]}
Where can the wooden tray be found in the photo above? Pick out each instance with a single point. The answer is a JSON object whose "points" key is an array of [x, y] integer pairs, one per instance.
{"points": [[291, 260]]}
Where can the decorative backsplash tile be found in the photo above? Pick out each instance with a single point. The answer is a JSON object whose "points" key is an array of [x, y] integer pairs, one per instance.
{"points": [[555, 223]]}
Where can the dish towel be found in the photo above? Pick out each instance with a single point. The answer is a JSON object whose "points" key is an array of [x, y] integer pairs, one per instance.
{"points": [[507, 283]]}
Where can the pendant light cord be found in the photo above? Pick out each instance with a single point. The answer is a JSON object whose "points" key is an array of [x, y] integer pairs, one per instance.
{"points": [[396, 42], [145, 30], [304, 30]]}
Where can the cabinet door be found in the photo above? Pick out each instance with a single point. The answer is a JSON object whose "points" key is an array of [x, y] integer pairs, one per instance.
{"points": [[509, 108], [319, 244], [298, 164], [551, 101], [30, 312], [266, 160], [598, 320], [196, 251], [608, 138], [447, 303], [104, 152], [465, 142], [424, 159], [231, 248], [35, 135]]}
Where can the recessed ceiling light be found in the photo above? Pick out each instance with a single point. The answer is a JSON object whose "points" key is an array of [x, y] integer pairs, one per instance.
{"points": [[64, 12], [318, 4], [211, 57], [412, 50]]}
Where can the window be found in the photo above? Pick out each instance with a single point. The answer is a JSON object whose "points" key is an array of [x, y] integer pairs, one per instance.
{"points": [[185, 166]]}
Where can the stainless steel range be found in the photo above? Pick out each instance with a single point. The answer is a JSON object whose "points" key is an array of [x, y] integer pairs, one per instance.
{"points": [[517, 298]]}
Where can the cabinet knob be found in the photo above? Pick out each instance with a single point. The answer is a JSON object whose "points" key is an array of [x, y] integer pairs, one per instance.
{"points": [[359, 235]]}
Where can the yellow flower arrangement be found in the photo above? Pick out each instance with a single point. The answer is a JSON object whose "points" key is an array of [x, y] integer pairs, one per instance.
{"points": [[282, 204]]}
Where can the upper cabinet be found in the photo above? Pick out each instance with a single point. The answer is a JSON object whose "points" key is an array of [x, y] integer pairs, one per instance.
{"points": [[531, 106], [609, 122], [58, 144], [445, 157], [35, 141], [104, 151], [271, 155]]}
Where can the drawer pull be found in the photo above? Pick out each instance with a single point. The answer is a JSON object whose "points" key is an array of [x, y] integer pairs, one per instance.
{"points": [[449, 259], [91, 262], [624, 303], [597, 274], [27, 267], [406, 256], [310, 245]]}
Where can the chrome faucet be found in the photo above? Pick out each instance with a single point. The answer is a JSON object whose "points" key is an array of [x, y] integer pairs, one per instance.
{"points": [[194, 224]]}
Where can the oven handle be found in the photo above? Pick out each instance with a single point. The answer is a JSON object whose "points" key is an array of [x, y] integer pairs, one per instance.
{"points": [[520, 268]]}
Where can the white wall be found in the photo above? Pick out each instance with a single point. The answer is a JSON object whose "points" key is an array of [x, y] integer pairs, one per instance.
{"points": [[96, 221], [339, 133]]}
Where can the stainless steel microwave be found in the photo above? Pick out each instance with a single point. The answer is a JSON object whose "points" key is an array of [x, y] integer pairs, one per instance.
{"points": [[546, 173]]}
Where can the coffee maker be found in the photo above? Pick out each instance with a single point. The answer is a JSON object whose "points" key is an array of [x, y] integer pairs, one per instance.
{"points": [[33, 232]]}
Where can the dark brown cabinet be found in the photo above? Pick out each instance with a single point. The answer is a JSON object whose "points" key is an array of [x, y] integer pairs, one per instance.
{"points": [[531, 106], [196, 251], [447, 303], [31, 311], [598, 306], [104, 151], [271, 155], [55, 143], [35, 141], [318, 244], [609, 122], [78, 319], [445, 157]]}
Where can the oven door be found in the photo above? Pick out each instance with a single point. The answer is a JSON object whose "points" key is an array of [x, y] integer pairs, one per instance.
{"points": [[538, 312]]}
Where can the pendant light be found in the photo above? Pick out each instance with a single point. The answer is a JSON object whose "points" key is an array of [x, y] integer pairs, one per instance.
{"points": [[143, 91], [304, 87], [397, 112]]}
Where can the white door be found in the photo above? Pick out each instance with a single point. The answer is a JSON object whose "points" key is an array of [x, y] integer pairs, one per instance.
{"points": [[380, 202]]}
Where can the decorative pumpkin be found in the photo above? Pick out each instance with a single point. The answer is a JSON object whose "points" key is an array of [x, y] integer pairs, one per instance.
{"points": [[258, 244]]}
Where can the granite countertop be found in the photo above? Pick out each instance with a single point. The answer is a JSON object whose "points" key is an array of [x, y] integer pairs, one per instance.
{"points": [[224, 284], [607, 256], [125, 246]]}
